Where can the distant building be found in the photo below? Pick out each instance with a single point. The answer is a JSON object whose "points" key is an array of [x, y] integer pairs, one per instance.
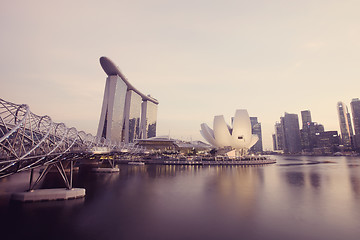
{"points": [[355, 109], [256, 129], [309, 131], [274, 142], [279, 135], [305, 117], [160, 144], [167, 144], [292, 141], [345, 125], [328, 139], [327, 143]]}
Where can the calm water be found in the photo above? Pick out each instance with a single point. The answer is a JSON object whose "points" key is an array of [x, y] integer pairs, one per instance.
{"points": [[296, 198]]}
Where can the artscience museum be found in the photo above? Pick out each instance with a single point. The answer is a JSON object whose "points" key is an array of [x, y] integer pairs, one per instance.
{"points": [[238, 136]]}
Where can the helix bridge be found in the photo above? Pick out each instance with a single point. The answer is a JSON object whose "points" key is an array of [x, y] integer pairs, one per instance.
{"points": [[29, 141]]}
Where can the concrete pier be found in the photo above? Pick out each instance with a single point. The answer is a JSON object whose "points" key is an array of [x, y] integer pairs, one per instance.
{"points": [[48, 194]]}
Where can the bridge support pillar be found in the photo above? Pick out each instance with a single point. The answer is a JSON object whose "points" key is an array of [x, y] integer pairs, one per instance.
{"points": [[112, 169], [33, 195], [59, 166]]}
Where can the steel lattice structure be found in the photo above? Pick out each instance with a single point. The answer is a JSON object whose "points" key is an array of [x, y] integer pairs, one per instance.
{"points": [[28, 141]]}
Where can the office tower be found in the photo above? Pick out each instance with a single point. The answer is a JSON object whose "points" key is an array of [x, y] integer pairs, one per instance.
{"points": [[274, 142], [355, 109], [345, 125], [279, 133], [329, 139], [306, 118], [307, 130], [126, 113], [256, 129], [292, 141]]}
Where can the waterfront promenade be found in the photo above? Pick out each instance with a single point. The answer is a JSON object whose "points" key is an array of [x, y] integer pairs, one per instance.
{"points": [[257, 160]]}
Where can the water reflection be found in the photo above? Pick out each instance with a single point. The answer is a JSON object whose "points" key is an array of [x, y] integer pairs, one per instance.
{"points": [[355, 183], [66, 206], [293, 199], [354, 175], [234, 189], [315, 180], [295, 178]]}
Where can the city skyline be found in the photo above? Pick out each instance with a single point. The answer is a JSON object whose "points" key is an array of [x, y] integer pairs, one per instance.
{"points": [[198, 59], [311, 138]]}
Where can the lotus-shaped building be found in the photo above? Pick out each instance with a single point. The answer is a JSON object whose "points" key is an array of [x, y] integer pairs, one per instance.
{"points": [[238, 137]]}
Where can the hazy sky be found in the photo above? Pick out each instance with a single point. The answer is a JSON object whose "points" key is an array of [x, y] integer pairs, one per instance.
{"points": [[198, 58]]}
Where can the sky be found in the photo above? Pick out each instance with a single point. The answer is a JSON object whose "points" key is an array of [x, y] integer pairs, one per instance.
{"points": [[198, 58]]}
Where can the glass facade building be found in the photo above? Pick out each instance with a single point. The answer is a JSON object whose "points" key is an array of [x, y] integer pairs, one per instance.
{"points": [[279, 136], [126, 113], [292, 141], [256, 129], [309, 131], [112, 122], [345, 125], [274, 142], [149, 119], [132, 116], [355, 109]]}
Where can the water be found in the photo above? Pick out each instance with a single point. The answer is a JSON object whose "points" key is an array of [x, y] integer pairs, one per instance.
{"points": [[296, 198]]}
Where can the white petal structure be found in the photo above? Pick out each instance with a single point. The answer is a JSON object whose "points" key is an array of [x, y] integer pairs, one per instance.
{"points": [[238, 136]]}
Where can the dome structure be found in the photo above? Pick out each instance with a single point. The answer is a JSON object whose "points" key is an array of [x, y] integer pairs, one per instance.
{"points": [[238, 136]]}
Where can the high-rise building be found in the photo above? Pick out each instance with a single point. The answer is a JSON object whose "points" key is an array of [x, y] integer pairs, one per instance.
{"points": [[306, 118], [279, 135], [256, 129], [292, 141], [309, 131], [329, 139], [148, 118], [345, 125], [126, 113], [355, 109], [274, 142]]}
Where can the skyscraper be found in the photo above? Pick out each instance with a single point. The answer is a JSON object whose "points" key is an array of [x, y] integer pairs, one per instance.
{"points": [[345, 125], [126, 113], [306, 118], [355, 109], [279, 135], [256, 129], [292, 142], [309, 131], [274, 142], [306, 131]]}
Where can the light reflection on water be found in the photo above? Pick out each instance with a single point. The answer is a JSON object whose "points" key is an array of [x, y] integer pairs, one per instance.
{"points": [[296, 198]]}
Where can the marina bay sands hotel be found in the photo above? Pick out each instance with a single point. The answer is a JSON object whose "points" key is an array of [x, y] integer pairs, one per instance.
{"points": [[126, 113]]}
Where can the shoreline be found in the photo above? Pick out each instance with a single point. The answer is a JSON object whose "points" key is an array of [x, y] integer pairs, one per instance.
{"points": [[196, 162]]}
